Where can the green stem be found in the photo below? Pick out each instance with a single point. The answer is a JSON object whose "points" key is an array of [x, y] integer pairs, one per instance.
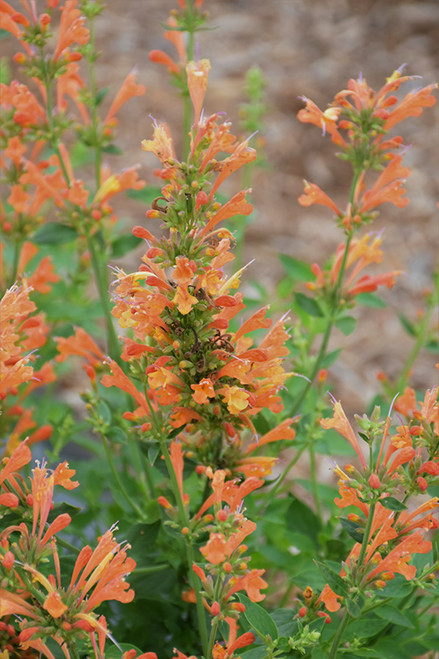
{"points": [[190, 557], [102, 284], [334, 308], [120, 485], [402, 381], [17, 252], [152, 569], [67, 545], [73, 651], [338, 636], [275, 489], [366, 535], [315, 491], [94, 114], [212, 639], [145, 483]]}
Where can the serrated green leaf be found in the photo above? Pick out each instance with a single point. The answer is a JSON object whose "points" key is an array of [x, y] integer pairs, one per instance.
{"points": [[346, 325], [354, 530], [258, 618], [335, 582], [393, 615], [124, 244], [299, 270], [308, 304], [370, 300], [392, 504], [54, 233]]}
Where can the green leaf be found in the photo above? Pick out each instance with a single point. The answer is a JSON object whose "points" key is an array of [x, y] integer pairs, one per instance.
{"points": [[297, 269], [258, 618], [346, 325], [370, 300], [54, 233], [101, 95], [104, 411], [352, 607], [392, 504], [301, 519], [112, 148], [393, 615], [391, 649], [356, 531], [124, 244], [432, 346], [330, 358], [407, 325], [335, 582], [308, 304]]}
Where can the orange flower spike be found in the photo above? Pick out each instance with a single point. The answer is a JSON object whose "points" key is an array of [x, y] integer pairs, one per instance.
{"points": [[197, 75], [340, 423], [314, 195], [128, 89]]}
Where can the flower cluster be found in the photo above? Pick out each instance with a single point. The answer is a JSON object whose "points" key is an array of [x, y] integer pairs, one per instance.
{"points": [[358, 120], [44, 607], [388, 533], [180, 303], [22, 331]]}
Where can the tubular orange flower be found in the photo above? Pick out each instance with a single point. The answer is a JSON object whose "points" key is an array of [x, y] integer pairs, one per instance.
{"points": [[128, 89], [197, 75], [340, 423]]}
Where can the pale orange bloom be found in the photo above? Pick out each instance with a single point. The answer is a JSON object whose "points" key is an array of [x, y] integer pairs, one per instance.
{"points": [[128, 89], [315, 195], [340, 423], [161, 144], [203, 391], [197, 75], [237, 205], [71, 29]]}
